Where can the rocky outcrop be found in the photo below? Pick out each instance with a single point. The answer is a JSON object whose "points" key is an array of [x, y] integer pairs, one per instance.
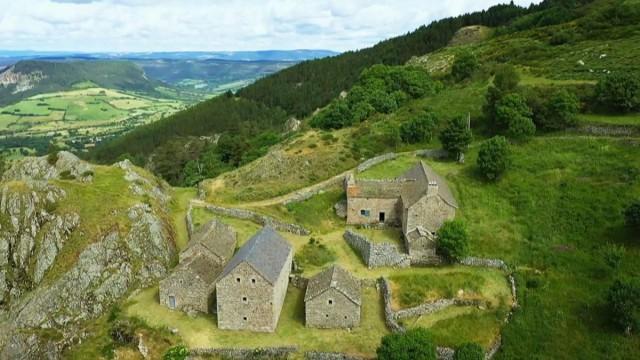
{"points": [[20, 81], [62, 165], [142, 185]]}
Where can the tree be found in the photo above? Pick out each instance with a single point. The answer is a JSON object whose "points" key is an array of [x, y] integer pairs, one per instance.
{"points": [[419, 128], [456, 136], [513, 113], [632, 215], [414, 344], [624, 303], [619, 92], [464, 65], [453, 240], [560, 111], [469, 351], [493, 157], [505, 82]]}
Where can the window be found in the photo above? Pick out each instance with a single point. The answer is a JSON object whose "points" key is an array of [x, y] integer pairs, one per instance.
{"points": [[244, 299], [172, 302], [244, 318], [365, 212], [327, 315], [381, 217], [330, 301], [253, 281], [237, 279], [345, 317]]}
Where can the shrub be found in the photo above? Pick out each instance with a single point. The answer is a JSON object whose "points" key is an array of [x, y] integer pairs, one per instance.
{"points": [[612, 255], [67, 175], [469, 351], [513, 113], [464, 65], [456, 136], [554, 110], [453, 240], [178, 352], [414, 344], [624, 303], [315, 253], [619, 92], [632, 215], [419, 128], [493, 157], [506, 78]]}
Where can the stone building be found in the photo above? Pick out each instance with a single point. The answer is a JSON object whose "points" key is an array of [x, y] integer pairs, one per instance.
{"points": [[420, 201], [191, 284], [333, 300], [250, 291]]}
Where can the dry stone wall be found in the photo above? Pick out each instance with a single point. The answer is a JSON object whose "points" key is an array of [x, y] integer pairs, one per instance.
{"points": [[375, 161], [258, 219], [377, 254], [267, 353], [317, 355], [488, 263]]}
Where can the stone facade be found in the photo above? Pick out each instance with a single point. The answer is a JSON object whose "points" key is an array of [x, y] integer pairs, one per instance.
{"points": [[419, 200], [377, 254], [251, 290], [333, 300]]}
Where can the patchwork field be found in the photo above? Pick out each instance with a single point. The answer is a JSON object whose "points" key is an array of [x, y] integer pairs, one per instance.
{"points": [[82, 116]]}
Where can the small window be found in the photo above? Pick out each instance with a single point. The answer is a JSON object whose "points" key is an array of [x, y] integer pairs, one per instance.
{"points": [[330, 302], [327, 315], [365, 212], [253, 281], [244, 299], [244, 318], [345, 317], [237, 279]]}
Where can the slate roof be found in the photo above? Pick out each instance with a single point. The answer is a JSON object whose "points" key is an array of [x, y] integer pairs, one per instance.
{"points": [[203, 266], [424, 175], [266, 252], [379, 189], [216, 237], [337, 278]]}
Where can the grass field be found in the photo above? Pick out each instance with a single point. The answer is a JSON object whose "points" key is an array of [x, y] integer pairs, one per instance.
{"points": [[81, 114]]}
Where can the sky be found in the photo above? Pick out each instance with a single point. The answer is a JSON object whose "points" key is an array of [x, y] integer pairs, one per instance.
{"points": [[215, 25]]}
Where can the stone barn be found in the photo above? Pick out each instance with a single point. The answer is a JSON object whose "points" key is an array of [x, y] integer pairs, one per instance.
{"points": [[250, 291], [419, 200], [191, 284], [333, 300]]}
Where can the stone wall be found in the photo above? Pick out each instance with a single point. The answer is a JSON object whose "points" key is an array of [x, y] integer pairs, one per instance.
{"points": [[375, 161], [377, 254], [389, 319], [331, 309], [429, 308], [318, 355], [433, 153], [307, 193], [268, 353], [298, 281], [258, 219], [481, 262], [189, 221]]}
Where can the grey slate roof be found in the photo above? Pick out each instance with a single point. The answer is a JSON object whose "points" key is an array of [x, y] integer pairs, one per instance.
{"points": [[379, 189], [217, 237], [337, 278], [266, 252], [203, 266], [423, 175]]}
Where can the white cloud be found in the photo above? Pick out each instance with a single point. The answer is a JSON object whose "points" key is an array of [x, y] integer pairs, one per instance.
{"points": [[164, 25]]}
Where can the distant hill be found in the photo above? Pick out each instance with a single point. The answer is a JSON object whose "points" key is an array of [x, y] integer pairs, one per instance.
{"points": [[32, 77]]}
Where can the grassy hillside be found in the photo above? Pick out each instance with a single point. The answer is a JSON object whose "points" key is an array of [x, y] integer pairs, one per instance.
{"points": [[46, 77]]}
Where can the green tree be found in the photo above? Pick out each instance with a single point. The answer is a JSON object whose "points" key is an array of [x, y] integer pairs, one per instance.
{"points": [[505, 82], [619, 92], [560, 111], [464, 66], [456, 136], [513, 113], [632, 215], [469, 351], [419, 128], [453, 240], [494, 157], [624, 303], [414, 344]]}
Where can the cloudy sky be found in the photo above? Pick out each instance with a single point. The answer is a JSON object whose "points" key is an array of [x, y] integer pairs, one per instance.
{"points": [[205, 25]]}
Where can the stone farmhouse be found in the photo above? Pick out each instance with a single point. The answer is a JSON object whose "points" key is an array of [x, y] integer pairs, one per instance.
{"points": [[419, 200], [191, 284], [251, 289], [333, 300]]}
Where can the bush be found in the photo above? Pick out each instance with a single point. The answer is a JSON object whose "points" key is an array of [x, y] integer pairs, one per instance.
{"points": [[619, 92], [612, 255], [624, 304], [493, 157], [464, 66], [66, 175], [456, 136], [453, 240], [414, 344], [555, 110], [506, 78], [315, 253], [418, 129], [179, 352], [469, 351], [632, 215], [513, 113]]}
